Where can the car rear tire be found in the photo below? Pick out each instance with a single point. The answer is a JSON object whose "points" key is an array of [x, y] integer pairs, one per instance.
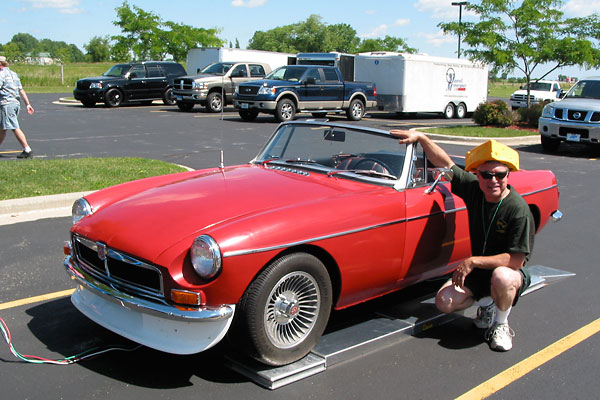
{"points": [[185, 106], [461, 111], [113, 98], [248, 116], [285, 110], [356, 110], [214, 102], [449, 111], [169, 97], [549, 144], [285, 310]]}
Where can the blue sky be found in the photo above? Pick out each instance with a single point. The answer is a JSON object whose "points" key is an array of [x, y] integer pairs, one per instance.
{"points": [[77, 21]]}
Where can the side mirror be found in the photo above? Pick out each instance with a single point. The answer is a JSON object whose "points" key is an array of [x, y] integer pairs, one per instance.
{"points": [[558, 93], [309, 81], [438, 174], [132, 75]]}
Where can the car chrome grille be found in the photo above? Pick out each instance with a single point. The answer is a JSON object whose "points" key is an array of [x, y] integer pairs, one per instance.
{"points": [[523, 97], [118, 269], [183, 84]]}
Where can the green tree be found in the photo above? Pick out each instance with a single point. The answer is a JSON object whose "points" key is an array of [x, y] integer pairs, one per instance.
{"points": [[12, 52], [149, 37], [26, 43], [527, 34], [388, 43], [98, 49]]}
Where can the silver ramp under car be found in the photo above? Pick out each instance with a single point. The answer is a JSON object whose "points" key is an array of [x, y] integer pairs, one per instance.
{"points": [[389, 326]]}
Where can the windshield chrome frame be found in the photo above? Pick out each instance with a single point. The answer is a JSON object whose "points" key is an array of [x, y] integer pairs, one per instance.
{"points": [[398, 184]]}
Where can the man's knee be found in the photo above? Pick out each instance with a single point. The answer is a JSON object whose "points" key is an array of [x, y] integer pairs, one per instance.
{"points": [[505, 278], [450, 299]]}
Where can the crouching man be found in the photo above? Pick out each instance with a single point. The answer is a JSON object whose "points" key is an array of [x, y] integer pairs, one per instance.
{"points": [[502, 232]]}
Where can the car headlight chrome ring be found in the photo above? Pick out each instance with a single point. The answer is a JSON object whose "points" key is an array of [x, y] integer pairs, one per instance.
{"points": [[205, 255], [81, 208]]}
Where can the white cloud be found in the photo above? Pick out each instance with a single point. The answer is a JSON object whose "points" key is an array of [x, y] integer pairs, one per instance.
{"points": [[581, 8], [371, 12], [248, 3], [439, 9], [438, 39], [63, 6], [382, 29]]}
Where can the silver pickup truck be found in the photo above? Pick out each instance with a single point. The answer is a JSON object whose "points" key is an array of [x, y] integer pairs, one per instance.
{"points": [[214, 86], [575, 118]]}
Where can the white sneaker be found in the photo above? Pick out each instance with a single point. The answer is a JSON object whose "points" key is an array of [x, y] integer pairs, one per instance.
{"points": [[485, 316], [499, 337]]}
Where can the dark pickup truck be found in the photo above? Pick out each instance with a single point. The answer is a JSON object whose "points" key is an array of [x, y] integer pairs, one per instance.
{"points": [[316, 89]]}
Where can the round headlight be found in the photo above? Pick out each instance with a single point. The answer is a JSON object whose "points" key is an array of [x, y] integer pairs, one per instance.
{"points": [[206, 257], [81, 208]]}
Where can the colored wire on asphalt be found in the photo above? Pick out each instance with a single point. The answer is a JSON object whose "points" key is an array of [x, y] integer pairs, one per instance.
{"points": [[65, 361]]}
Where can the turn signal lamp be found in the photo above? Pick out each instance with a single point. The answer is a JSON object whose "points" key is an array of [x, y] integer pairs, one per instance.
{"points": [[187, 297]]}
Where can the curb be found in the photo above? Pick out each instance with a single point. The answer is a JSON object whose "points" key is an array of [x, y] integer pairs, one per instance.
{"points": [[34, 208]]}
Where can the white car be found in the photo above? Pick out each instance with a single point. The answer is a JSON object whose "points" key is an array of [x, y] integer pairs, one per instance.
{"points": [[539, 92]]}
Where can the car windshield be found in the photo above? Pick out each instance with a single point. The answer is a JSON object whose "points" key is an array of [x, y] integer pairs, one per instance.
{"points": [[216, 68], [335, 149], [287, 73], [117, 70], [543, 86], [585, 90]]}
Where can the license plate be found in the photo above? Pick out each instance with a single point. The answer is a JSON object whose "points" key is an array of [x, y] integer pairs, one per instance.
{"points": [[573, 137], [244, 105]]}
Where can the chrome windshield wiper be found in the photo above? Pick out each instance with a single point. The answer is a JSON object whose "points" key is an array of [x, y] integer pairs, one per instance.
{"points": [[369, 172]]}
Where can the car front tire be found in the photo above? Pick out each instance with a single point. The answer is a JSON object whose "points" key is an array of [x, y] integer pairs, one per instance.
{"points": [[184, 106], [285, 110], [247, 115], [214, 102], [113, 98], [285, 310]]}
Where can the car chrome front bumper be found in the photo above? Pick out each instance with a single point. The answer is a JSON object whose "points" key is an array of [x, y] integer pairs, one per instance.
{"points": [[159, 326]]}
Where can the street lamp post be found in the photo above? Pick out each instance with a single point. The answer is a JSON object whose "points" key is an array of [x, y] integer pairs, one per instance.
{"points": [[460, 5]]}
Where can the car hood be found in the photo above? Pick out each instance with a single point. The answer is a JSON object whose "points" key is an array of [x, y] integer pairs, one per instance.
{"points": [[101, 78], [588, 104], [241, 207]]}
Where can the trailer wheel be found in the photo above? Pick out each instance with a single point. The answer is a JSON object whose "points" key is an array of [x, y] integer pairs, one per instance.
{"points": [[356, 110], [449, 111], [461, 111]]}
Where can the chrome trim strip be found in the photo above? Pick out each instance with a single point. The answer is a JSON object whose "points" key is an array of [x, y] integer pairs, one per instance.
{"points": [[540, 190], [140, 305]]}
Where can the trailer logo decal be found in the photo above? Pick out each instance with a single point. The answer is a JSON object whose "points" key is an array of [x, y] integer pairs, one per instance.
{"points": [[453, 83]]}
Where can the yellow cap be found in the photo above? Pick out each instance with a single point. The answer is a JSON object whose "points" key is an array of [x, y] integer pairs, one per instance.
{"points": [[492, 151]]}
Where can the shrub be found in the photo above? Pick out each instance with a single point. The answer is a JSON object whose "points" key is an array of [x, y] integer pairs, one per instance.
{"points": [[495, 113], [531, 115]]}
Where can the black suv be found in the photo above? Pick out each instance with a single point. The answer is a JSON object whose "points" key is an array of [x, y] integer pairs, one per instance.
{"points": [[136, 81]]}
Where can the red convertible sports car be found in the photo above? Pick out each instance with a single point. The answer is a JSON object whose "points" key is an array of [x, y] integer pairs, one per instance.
{"points": [[326, 216]]}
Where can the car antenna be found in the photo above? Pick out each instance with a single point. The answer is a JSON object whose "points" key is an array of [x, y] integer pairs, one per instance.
{"points": [[223, 102]]}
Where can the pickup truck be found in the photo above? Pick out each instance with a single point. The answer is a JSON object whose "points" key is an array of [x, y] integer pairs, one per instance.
{"points": [[575, 118], [317, 89], [214, 86], [539, 92]]}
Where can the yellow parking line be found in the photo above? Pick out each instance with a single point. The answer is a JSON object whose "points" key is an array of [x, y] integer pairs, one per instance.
{"points": [[522, 368], [36, 299]]}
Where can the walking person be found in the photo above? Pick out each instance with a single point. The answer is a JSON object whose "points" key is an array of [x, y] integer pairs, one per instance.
{"points": [[11, 93], [502, 232]]}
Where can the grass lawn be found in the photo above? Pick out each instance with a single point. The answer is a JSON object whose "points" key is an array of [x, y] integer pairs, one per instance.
{"points": [[482, 131], [37, 177]]}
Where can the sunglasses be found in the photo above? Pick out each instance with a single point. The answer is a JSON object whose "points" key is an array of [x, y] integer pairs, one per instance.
{"points": [[489, 175]]}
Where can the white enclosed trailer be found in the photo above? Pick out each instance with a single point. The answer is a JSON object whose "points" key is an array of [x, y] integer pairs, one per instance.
{"points": [[200, 58], [410, 83]]}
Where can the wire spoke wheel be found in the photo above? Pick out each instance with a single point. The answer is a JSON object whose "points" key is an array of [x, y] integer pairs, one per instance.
{"points": [[292, 309]]}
